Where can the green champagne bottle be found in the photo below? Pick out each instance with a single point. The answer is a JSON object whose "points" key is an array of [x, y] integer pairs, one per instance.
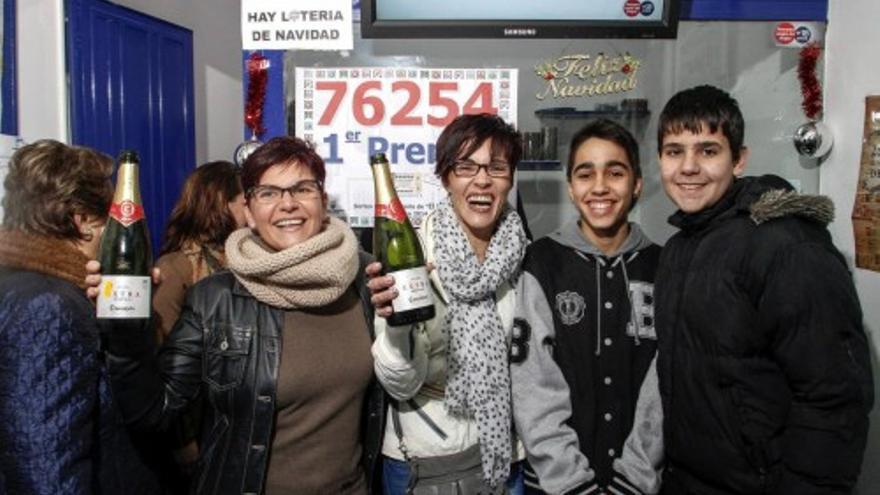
{"points": [[124, 295], [397, 247]]}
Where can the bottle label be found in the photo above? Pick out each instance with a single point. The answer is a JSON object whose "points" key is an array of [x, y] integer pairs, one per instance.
{"points": [[414, 289], [127, 212], [393, 210], [124, 296]]}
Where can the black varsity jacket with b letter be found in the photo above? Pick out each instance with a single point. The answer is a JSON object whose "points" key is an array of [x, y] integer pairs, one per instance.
{"points": [[582, 365]]}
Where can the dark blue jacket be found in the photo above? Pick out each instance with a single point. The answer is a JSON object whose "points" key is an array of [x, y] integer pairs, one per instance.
{"points": [[60, 432]]}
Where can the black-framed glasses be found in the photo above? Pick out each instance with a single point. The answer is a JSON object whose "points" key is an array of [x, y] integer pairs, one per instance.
{"points": [[469, 168], [303, 190]]}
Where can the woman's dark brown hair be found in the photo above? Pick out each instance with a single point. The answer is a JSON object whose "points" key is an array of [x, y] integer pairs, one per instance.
{"points": [[282, 150], [467, 133], [202, 214], [49, 182]]}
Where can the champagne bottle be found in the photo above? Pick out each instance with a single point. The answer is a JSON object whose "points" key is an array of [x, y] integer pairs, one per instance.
{"points": [[396, 246], [124, 294]]}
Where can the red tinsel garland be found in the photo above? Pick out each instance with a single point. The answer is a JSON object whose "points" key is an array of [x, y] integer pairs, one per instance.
{"points": [[810, 88], [257, 68]]}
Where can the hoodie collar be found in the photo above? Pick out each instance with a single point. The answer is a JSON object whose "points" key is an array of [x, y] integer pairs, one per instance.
{"points": [[570, 234]]}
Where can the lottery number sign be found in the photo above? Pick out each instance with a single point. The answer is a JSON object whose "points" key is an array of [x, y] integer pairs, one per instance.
{"points": [[352, 113]]}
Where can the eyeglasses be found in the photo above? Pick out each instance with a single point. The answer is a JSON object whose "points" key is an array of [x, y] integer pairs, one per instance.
{"points": [[468, 168], [303, 190]]}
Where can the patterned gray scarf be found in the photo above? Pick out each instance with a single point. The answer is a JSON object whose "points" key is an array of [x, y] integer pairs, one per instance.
{"points": [[477, 376]]}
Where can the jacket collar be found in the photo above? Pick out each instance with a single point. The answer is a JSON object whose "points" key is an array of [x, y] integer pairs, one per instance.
{"points": [[43, 254], [763, 198], [239, 289]]}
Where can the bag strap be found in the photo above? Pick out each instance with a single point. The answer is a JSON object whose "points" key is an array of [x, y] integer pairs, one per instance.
{"points": [[398, 429]]}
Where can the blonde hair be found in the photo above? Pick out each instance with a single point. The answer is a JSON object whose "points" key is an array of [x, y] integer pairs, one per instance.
{"points": [[49, 182]]}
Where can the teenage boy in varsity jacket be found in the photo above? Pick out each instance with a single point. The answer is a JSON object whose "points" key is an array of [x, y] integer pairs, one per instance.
{"points": [[585, 397]]}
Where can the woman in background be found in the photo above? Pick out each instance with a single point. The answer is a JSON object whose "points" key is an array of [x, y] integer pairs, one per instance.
{"points": [[60, 431], [210, 207]]}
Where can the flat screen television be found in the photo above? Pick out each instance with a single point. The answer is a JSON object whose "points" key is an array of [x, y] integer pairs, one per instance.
{"points": [[519, 18]]}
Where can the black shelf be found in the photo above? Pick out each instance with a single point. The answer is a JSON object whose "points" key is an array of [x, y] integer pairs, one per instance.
{"points": [[573, 113], [530, 165]]}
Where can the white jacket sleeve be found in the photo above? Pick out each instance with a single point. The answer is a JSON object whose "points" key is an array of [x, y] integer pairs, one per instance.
{"points": [[401, 354], [400, 358]]}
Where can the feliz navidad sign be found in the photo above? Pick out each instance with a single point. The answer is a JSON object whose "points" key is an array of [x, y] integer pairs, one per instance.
{"points": [[585, 75]]}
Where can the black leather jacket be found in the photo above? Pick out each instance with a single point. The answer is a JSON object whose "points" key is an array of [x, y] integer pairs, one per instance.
{"points": [[225, 345]]}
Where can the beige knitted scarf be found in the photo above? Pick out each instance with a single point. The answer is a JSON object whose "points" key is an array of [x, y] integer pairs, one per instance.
{"points": [[310, 274]]}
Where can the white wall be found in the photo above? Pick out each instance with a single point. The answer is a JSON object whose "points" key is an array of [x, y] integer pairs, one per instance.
{"points": [[42, 92], [851, 74], [43, 102]]}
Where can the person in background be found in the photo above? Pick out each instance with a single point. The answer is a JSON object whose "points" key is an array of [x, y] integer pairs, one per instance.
{"points": [[449, 376], [279, 346], [585, 394], [60, 431], [210, 207], [763, 363]]}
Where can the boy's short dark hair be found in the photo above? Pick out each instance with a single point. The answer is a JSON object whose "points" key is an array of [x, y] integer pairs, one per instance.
{"points": [[690, 109], [609, 131]]}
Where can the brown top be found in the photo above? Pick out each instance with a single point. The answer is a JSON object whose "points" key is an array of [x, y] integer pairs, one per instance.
{"points": [[325, 368], [180, 270], [177, 277]]}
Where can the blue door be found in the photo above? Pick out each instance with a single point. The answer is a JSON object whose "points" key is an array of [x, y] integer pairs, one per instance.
{"points": [[131, 86]]}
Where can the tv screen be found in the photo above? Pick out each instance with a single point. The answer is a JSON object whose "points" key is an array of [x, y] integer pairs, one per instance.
{"points": [[519, 19]]}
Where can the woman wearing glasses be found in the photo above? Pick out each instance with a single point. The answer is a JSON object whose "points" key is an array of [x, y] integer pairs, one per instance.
{"points": [[449, 376], [279, 345]]}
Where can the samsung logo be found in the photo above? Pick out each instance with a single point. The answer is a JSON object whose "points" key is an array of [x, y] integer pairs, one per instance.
{"points": [[521, 32]]}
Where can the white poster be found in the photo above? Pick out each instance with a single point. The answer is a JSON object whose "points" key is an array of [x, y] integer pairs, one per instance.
{"points": [[353, 112], [296, 25]]}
